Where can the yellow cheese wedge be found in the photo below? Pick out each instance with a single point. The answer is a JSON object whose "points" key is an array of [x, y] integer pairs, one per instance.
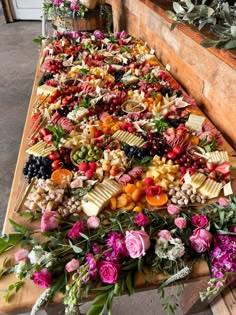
{"points": [[41, 149], [210, 188]]}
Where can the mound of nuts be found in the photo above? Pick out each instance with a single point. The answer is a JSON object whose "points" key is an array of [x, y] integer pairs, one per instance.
{"points": [[70, 206], [185, 195]]}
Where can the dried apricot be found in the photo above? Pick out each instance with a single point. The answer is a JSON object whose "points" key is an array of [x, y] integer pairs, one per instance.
{"points": [[136, 195], [113, 203], [129, 188]]}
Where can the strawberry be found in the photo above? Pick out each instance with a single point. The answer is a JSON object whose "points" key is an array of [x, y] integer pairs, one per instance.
{"points": [[48, 138], [223, 168], [153, 190], [212, 175], [149, 181], [210, 166]]}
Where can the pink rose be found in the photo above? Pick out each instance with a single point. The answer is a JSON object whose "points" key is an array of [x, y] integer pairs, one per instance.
{"points": [[21, 255], [223, 201], [76, 229], [164, 234], [200, 240], [109, 272], [141, 219], [180, 222], [199, 220], [49, 221], [42, 278], [173, 209], [93, 222], [72, 265], [137, 242]]}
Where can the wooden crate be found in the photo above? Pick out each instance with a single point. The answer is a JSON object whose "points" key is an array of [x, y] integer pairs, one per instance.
{"points": [[92, 21]]}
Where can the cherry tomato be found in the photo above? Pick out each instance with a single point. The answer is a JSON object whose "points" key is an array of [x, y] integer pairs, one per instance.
{"points": [[57, 164], [171, 155], [177, 149], [54, 155]]}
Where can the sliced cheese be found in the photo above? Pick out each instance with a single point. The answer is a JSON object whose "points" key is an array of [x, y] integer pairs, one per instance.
{"points": [[197, 180], [218, 157], [128, 138], [45, 90], [210, 188], [98, 198], [41, 149], [195, 122]]}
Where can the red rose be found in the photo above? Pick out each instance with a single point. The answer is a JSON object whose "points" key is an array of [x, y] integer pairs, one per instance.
{"points": [[199, 220], [109, 272], [42, 278]]}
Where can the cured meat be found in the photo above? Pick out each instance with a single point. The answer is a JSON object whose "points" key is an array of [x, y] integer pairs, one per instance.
{"points": [[125, 179], [136, 172], [65, 124], [55, 117]]}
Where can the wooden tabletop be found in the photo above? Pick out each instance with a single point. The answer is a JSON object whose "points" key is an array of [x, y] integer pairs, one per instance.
{"points": [[29, 293]]}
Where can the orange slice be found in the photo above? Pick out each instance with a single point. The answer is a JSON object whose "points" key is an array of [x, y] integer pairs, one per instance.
{"points": [[159, 200], [61, 175]]}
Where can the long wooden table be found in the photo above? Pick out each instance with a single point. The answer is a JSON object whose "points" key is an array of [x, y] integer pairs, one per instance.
{"points": [[27, 295]]}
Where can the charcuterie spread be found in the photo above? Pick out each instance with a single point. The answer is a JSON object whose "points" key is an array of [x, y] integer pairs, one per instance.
{"points": [[122, 168]]}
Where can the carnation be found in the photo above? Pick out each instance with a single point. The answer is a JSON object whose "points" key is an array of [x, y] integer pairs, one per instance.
{"points": [[116, 241], [141, 219], [42, 278]]}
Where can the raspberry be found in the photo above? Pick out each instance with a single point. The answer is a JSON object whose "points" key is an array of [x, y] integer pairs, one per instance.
{"points": [[83, 167], [92, 166], [89, 173]]}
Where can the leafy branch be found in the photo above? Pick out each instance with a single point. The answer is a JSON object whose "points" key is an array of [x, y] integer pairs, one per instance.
{"points": [[220, 18]]}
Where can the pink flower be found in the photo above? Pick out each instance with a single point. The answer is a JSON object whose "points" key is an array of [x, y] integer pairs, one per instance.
{"points": [[164, 234], [72, 265], [49, 221], [180, 222], [137, 242], [199, 220], [76, 229], [141, 219], [42, 278], [109, 272], [200, 240], [21, 255], [57, 3], [223, 201], [173, 209], [93, 222], [116, 241]]}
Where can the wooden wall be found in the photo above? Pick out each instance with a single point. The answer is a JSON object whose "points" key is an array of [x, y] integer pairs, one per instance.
{"points": [[211, 79]]}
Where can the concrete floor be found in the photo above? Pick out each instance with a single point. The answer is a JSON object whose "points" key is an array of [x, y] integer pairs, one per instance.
{"points": [[18, 59]]}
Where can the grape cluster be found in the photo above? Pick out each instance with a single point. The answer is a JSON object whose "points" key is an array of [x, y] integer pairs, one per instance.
{"points": [[188, 161], [135, 152], [37, 166], [156, 144]]}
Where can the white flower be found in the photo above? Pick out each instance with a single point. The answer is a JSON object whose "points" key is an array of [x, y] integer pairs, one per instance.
{"points": [[171, 249], [178, 250], [38, 255]]}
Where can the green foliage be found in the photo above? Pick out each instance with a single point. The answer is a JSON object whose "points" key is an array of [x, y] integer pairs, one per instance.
{"points": [[219, 18], [8, 241], [13, 287], [58, 134]]}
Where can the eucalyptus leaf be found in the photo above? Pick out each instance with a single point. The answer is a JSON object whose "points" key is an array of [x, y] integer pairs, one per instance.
{"points": [[8, 241], [171, 15], [190, 5], [208, 43], [233, 31], [178, 8]]}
